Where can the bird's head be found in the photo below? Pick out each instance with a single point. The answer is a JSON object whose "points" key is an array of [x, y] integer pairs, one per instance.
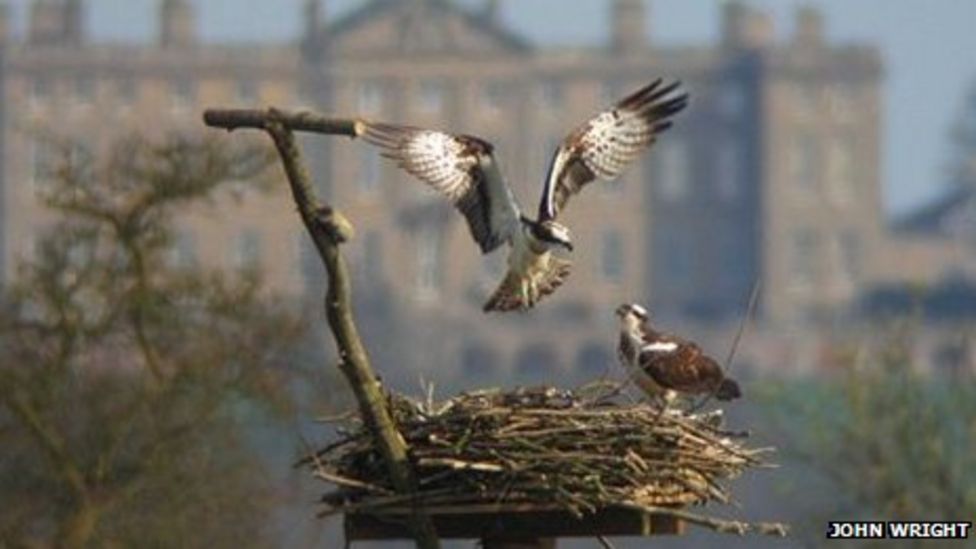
{"points": [[632, 312], [481, 149], [554, 233]]}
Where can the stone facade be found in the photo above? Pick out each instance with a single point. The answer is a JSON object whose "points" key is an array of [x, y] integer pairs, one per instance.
{"points": [[772, 172]]}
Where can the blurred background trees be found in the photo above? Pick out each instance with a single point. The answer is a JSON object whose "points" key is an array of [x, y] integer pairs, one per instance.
{"points": [[894, 442], [126, 378]]}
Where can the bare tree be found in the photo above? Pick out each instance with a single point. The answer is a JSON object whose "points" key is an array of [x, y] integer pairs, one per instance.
{"points": [[121, 374]]}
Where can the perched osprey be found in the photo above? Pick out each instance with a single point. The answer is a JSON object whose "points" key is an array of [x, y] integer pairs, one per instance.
{"points": [[464, 169], [663, 364]]}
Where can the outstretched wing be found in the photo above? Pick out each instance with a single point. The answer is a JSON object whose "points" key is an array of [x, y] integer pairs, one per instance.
{"points": [[459, 167], [607, 143]]}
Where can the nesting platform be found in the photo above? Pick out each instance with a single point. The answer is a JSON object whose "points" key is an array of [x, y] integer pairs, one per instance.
{"points": [[512, 522], [544, 462]]}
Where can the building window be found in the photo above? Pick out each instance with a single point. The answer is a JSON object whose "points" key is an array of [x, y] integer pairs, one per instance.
{"points": [[535, 363], [370, 98], [840, 163], [429, 258], [40, 91], [479, 362], [246, 91], [550, 94], [432, 96], [44, 162], [29, 251], [594, 360], [849, 251], [50, 160], [728, 169], [492, 270], [182, 94], [610, 93], [303, 100], [612, 256], [369, 170], [247, 249], [183, 254], [492, 98], [372, 257], [84, 91], [804, 257], [804, 160], [735, 256], [731, 100], [673, 166], [806, 100], [841, 102], [127, 91], [677, 258]]}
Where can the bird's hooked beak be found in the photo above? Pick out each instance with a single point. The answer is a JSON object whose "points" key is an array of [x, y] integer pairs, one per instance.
{"points": [[567, 244], [630, 310], [484, 160], [622, 311]]}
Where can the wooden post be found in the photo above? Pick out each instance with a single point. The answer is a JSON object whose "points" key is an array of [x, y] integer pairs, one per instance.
{"points": [[329, 229]]}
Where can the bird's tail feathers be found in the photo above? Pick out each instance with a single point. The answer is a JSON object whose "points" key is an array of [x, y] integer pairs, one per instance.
{"points": [[510, 295], [728, 390]]}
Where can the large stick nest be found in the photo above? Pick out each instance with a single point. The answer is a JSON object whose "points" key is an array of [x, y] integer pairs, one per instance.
{"points": [[583, 451]]}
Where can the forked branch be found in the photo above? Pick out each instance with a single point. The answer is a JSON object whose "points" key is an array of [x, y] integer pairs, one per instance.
{"points": [[329, 229]]}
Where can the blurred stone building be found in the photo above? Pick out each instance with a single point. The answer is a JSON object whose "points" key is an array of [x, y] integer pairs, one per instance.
{"points": [[772, 172]]}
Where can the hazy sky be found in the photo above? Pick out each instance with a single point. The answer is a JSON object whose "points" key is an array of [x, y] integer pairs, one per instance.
{"points": [[929, 48]]}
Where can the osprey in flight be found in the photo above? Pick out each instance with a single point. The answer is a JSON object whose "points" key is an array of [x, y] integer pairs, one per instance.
{"points": [[663, 365], [464, 169]]}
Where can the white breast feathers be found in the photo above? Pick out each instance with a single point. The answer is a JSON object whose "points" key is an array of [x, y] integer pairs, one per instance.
{"points": [[660, 347]]}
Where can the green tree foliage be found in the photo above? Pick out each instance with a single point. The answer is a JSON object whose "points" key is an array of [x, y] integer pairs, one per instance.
{"points": [[898, 444], [122, 376]]}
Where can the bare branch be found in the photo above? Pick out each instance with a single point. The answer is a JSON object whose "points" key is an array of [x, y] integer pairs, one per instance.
{"points": [[232, 119], [48, 440]]}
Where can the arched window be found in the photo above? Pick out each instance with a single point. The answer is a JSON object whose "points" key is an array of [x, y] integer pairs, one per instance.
{"points": [[536, 363], [612, 256], [674, 170], [429, 269], [804, 161], [479, 362], [593, 361]]}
